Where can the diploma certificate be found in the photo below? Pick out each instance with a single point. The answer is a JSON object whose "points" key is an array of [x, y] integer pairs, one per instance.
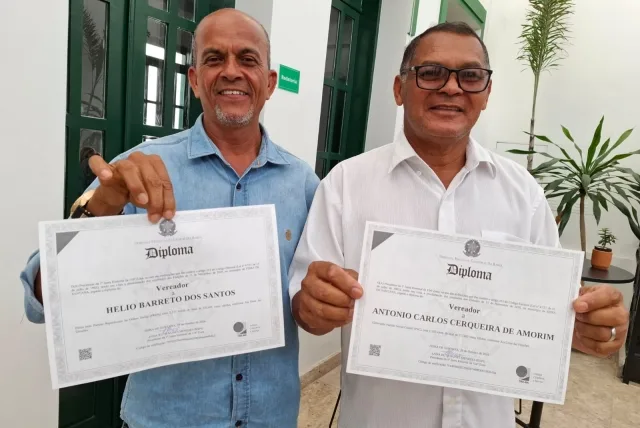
{"points": [[464, 312], [122, 294]]}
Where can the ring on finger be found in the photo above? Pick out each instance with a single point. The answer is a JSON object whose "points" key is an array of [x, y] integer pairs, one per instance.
{"points": [[613, 334]]}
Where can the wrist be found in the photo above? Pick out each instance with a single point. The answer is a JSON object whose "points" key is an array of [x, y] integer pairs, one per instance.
{"points": [[90, 204], [100, 209]]}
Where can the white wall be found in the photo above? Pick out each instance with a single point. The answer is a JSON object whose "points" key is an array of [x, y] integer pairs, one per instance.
{"points": [[597, 78], [293, 119], [395, 16], [32, 134]]}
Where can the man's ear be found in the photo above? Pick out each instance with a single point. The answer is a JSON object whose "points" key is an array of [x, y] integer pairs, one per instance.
{"points": [[193, 81], [397, 90], [271, 83]]}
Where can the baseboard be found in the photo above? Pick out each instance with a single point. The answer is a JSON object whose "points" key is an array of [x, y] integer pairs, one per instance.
{"points": [[320, 370]]}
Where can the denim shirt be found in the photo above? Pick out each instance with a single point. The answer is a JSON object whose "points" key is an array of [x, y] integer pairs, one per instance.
{"points": [[257, 390]]}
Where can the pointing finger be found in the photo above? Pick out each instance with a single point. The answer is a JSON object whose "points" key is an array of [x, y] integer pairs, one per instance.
{"points": [[100, 168]]}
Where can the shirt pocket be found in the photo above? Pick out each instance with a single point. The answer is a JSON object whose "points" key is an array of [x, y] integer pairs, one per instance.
{"points": [[496, 235]]}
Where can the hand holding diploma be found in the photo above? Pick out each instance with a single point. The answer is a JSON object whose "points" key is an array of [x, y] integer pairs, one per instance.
{"points": [[327, 297], [601, 321], [140, 179]]}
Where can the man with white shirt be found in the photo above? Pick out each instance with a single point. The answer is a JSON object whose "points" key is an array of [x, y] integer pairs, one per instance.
{"points": [[433, 176]]}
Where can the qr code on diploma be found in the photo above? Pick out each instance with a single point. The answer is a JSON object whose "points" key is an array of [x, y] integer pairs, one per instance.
{"points": [[374, 350], [85, 354]]}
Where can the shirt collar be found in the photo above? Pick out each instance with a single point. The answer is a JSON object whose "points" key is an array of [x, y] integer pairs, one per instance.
{"points": [[200, 145], [476, 154]]}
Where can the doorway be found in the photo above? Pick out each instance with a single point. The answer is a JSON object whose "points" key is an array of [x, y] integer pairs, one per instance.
{"points": [[348, 74]]}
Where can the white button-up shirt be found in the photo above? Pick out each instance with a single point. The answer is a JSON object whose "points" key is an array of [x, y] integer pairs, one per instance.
{"points": [[491, 196]]}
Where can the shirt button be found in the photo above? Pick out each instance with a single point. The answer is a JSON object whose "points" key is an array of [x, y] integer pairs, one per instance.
{"points": [[238, 186], [238, 423], [239, 377]]}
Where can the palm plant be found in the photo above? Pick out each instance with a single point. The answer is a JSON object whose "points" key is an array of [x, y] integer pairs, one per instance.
{"points": [[543, 35], [599, 177]]}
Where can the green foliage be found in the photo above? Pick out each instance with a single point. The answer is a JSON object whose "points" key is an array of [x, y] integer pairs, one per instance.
{"points": [[606, 238], [544, 34], [599, 176]]}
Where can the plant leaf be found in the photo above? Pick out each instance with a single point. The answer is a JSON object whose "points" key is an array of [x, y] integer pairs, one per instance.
{"points": [[604, 147], [566, 214], [544, 33], [602, 157], [578, 149], [597, 136], [630, 172], [554, 185], [597, 212], [602, 200], [566, 198], [620, 190]]}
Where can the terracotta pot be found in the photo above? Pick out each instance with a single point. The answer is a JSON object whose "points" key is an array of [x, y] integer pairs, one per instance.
{"points": [[601, 259]]}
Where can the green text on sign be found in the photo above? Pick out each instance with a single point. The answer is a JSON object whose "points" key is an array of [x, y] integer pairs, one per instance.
{"points": [[289, 79]]}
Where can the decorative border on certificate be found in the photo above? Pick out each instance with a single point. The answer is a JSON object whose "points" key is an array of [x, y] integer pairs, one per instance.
{"points": [[49, 232], [377, 233]]}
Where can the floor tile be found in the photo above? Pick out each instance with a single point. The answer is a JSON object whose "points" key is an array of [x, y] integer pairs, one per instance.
{"points": [[332, 378]]}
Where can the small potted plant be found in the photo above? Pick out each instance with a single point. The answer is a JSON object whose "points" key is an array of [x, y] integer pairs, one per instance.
{"points": [[602, 254]]}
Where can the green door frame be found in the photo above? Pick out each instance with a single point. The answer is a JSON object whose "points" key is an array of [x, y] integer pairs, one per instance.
{"points": [[109, 121], [346, 126], [473, 7]]}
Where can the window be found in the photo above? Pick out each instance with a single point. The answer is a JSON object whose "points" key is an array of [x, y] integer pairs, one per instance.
{"points": [[127, 76], [470, 11]]}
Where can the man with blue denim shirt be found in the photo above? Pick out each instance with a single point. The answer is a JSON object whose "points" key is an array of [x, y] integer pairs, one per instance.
{"points": [[226, 159]]}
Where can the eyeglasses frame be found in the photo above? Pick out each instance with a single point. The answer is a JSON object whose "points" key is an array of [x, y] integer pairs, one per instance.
{"points": [[417, 68]]}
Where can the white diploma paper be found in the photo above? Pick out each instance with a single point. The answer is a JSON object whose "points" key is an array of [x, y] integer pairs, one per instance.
{"points": [[122, 294], [464, 312]]}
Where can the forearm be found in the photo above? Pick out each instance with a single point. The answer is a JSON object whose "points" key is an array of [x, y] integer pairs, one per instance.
{"points": [[295, 309]]}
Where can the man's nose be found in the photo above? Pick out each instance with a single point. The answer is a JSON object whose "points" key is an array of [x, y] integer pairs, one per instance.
{"points": [[452, 87], [231, 70]]}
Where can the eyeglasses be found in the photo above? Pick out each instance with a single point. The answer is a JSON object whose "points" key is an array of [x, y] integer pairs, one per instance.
{"points": [[435, 77]]}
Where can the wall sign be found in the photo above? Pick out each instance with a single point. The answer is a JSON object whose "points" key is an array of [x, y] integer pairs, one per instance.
{"points": [[289, 79]]}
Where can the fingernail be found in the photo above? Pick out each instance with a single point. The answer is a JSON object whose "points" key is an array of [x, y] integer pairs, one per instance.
{"points": [[581, 306], [142, 198], [105, 174], [168, 214], [154, 218], [356, 292]]}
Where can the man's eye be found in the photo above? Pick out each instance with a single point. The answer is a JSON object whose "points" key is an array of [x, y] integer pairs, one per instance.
{"points": [[212, 60], [249, 60]]}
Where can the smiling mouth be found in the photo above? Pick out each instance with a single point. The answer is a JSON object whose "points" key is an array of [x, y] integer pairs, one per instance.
{"points": [[232, 92], [447, 108]]}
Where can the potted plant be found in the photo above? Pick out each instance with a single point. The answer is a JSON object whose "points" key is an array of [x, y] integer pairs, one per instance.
{"points": [[596, 175], [602, 254]]}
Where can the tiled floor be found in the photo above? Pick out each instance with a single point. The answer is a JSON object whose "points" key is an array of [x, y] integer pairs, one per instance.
{"points": [[595, 398]]}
